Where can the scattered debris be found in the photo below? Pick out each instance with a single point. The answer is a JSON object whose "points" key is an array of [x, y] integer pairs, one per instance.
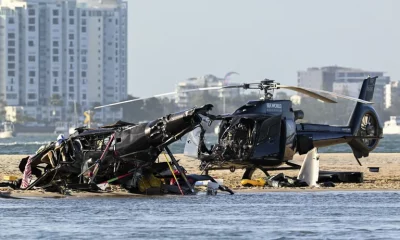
{"points": [[373, 169], [341, 177], [212, 188], [123, 154], [326, 179], [253, 183]]}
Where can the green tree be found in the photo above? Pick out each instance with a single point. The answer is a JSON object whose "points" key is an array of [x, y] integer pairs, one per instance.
{"points": [[132, 111], [96, 104], [22, 118], [169, 105], [19, 117], [201, 98], [56, 100], [281, 96], [232, 104], [152, 109], [72, 108], [3, 104], [71, 111]]}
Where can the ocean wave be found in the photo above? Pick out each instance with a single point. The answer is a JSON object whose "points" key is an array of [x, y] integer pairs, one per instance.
{"points": [[24, 143]]}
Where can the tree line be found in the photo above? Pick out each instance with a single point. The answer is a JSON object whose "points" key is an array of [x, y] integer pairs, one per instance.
{"points": [[314, 110], [153, 108]]}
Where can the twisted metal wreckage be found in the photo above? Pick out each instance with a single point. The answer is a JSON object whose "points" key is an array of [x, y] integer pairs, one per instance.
{"points": [[122, 153], [262, 134]]}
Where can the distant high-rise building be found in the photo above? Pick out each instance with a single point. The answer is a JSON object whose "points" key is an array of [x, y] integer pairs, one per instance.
{"points": [[54, 53], [392, 93], [345, 81], [350, 82], [182, 99], [318, 78]]}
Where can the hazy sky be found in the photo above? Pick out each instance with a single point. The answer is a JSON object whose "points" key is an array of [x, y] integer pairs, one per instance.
{"points": [[172, 40]]}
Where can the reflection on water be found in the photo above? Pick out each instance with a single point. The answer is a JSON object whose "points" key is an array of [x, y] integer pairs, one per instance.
{"points": [[275, 215]]}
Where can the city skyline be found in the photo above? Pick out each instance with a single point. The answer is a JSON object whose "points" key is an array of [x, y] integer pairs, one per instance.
{"points": [[59, 53], [346, 81], [149, 36], [173, 40]]}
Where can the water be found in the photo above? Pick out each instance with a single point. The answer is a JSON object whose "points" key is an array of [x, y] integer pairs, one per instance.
{"points": [[271, 215], [29, 144], [24, 144]]}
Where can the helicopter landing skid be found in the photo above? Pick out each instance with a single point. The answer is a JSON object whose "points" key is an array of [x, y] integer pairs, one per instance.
{"points": [[250, 171], [308, 173]]}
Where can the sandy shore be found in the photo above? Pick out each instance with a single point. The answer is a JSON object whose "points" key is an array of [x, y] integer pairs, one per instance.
{"points": [[388, 177]]}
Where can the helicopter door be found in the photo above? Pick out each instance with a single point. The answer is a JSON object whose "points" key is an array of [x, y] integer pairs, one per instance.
{"points": [[268, 142], [192, 143]]}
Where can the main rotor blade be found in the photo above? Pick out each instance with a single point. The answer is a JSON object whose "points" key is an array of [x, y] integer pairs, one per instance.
{"points": [[160, 95], [307, 92], [311, 90], [134, 100], [343, 96]]}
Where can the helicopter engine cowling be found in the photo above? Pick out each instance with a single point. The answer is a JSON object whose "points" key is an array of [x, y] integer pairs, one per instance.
{"points": [[236, 141], [145, 141]]}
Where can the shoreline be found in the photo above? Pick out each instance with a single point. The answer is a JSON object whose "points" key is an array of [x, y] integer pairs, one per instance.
{"points": [[387, 179], [86, 195]]}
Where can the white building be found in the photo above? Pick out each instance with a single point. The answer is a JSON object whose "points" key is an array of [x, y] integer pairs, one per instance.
{"points": [[296, 99], [349, 82], [182, 99], [345, 81], [12, 112], [57, 52], [392, 93], [318, 78]]}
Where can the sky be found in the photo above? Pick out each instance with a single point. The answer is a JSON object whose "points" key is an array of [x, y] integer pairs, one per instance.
{"points": [[170, 41]]}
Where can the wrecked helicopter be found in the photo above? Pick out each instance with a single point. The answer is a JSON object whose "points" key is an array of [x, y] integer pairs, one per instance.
{"points": [[123, 153], [261, 134]]}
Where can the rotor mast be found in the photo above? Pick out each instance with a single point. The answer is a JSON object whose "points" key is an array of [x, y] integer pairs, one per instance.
{"points": [[267, 85]]}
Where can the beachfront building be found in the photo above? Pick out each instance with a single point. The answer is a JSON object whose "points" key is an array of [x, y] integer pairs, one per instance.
{"points": [[350, 82], [343, 80], [59, 54], [318, 78], [392, 93], [182, 99]]}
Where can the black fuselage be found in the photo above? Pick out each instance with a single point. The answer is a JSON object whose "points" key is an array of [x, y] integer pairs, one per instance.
{"points": [[264, 133]]}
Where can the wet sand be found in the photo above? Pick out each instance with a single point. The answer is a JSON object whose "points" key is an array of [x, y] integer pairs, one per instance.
{"points": [[388, 177]]}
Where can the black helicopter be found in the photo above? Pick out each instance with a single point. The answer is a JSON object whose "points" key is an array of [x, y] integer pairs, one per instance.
{"points": [[261, 134], [264, 134], [123, 153]]}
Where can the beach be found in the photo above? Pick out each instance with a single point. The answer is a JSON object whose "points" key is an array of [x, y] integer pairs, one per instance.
{"points": [[388, 177]]}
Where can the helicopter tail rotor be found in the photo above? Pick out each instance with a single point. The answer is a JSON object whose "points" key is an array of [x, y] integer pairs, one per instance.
{"points": [[365, 124]]}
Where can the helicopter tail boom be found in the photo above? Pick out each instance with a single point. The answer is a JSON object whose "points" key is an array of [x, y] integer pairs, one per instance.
{"points": [[362, 133], [365, 123]]}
